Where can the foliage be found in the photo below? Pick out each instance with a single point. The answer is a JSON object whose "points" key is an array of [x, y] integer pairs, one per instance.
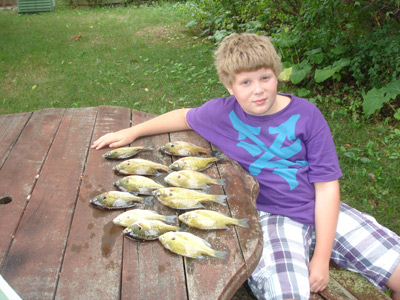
{"points": [[324, 45]]}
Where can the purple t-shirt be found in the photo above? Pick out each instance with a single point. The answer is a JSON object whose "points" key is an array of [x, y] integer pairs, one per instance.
{"points": [[286, 152]]}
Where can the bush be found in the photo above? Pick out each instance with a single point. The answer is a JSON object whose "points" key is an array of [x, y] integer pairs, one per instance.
{"points": [[328, 45]]}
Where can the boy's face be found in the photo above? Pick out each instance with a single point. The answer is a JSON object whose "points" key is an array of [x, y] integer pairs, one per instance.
{"points": [[256, 91]]}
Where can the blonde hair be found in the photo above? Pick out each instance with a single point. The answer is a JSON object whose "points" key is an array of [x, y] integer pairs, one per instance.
{"points": [[245, 52]]}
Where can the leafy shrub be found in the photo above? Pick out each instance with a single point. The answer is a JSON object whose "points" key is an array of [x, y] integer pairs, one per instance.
{"points": [[325, 45]]}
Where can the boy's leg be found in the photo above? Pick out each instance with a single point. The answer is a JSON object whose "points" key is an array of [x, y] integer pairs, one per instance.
{"points": [[394, 283], [282, 272], [366, 247]]}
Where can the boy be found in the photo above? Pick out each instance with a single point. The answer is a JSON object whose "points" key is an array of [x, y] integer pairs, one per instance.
{"points": [[285, 143]]}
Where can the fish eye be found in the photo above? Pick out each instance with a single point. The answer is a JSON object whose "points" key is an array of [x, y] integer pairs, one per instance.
{"points": [[172, 145], [179, 176], [104, 197], [140, 227], [173, 239]]}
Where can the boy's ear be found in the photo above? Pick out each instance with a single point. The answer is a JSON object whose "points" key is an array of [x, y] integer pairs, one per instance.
{"points": [[229, 90]]}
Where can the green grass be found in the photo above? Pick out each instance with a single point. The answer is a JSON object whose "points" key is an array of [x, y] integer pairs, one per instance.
{"points": [[144, 58], [129, 56], [370, 160]]}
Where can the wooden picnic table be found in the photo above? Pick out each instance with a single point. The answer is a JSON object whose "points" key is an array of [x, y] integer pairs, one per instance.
{"points": [[55, 245]]}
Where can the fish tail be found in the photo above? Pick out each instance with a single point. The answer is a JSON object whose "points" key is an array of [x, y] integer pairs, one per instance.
{"points": [[217, 154], [181, 228], [220, 181], [220, 254], [171, 219], [243, 222], [184, 227], [164, 169], [148, 200], [221, 199]]}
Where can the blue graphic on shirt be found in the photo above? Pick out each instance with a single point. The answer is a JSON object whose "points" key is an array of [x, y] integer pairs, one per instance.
{"points": [[280, 154]]}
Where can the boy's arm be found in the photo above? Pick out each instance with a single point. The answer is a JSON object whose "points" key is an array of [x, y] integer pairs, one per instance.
{"points": [[169, 122], [327, 202]]}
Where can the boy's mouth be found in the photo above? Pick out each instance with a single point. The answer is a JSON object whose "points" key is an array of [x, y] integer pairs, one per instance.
{"points": [[260, 101]]}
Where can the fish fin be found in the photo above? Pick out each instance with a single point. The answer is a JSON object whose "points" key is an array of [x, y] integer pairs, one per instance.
{"points": [[148, 148], [244, 223], [199, 205], [221, 181], [221, 199], [220, 254]]}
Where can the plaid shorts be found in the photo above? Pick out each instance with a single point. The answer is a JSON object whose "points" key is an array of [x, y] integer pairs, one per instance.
{"points": [[361, 245]]}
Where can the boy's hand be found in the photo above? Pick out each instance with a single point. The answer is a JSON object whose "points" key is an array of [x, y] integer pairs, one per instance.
{"points": [[319, 275], [113, 140]]}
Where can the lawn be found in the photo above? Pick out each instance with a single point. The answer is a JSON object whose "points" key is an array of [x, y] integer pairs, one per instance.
{"points": [[136, 57], [144, 58]]}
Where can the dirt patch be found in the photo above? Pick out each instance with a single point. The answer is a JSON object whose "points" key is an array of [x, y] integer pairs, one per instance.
{"points": [[165, 33]]}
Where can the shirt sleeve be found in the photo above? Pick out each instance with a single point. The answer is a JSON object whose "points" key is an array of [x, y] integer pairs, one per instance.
{"points": [[321, 153]]}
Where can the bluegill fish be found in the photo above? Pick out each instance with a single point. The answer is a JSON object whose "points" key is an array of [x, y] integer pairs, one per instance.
{"points": [[137, 166], [180, 148], [137, 184], [129, 217], [208, 219], [148, 229], [192, 179], [116, 200], [194, 163], [125, 152], [180, 198], [189, 245]]}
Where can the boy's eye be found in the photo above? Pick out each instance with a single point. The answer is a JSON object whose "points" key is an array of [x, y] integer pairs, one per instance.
{"points": [[246, 82]]}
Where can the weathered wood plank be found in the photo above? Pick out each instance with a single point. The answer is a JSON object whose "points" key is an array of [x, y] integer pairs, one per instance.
{"points": [[150, 271], [10, 129], [357, 285], [242, 190], [92, 262], [18, 174], [336, 291], [35, 257], [216, 278]]}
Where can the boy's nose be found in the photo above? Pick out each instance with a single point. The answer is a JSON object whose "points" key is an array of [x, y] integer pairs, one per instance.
{"points": [[258, 88]]}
